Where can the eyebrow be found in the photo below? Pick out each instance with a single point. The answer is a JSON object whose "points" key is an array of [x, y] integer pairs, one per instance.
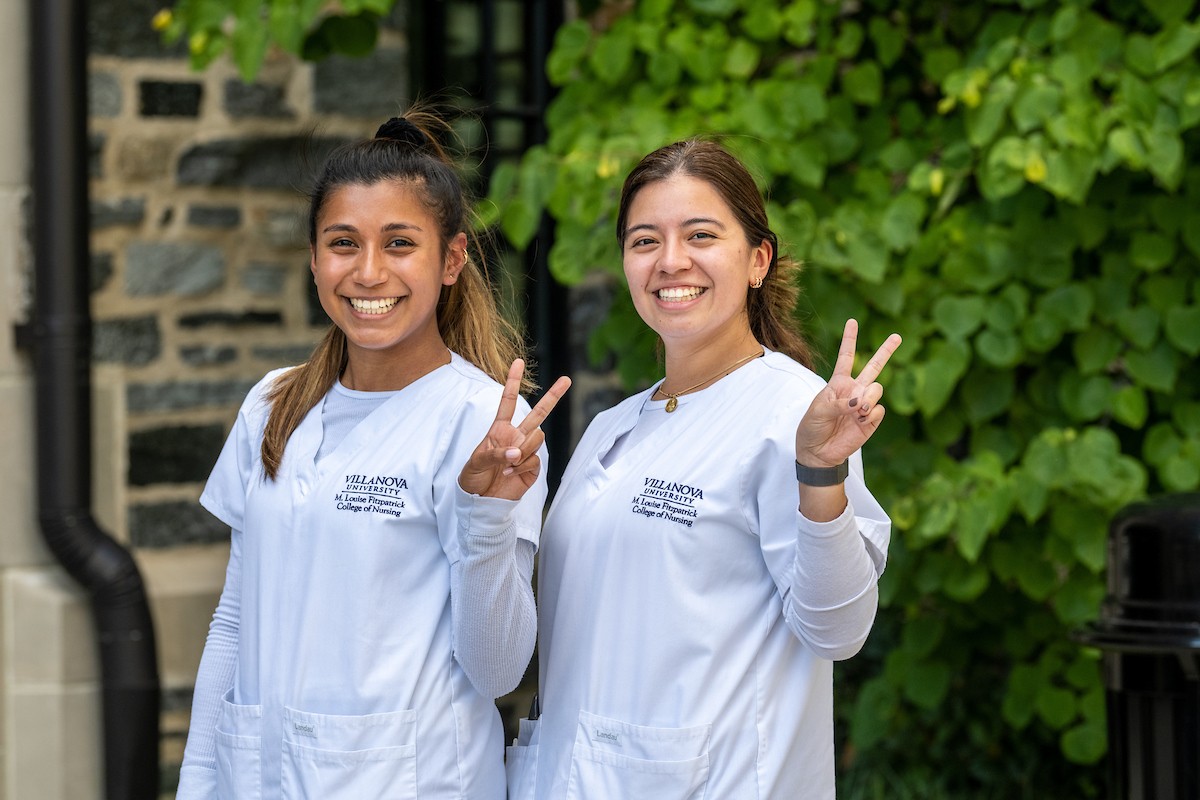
{"points": [[687, 223], [391, 226]]}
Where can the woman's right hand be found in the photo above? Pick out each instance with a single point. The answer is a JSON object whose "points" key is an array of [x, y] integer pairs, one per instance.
{"points": [[506, 463]]}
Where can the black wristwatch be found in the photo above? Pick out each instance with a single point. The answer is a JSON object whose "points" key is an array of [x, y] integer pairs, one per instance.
{"points": [[822, 476]]}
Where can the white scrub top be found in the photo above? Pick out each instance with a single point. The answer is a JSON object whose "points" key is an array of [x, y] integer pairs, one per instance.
{"points": [[677, 657], [345, 684]]}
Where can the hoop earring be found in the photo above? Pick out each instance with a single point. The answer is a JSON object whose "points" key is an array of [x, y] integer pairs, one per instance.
{"points": [[756, 283]]}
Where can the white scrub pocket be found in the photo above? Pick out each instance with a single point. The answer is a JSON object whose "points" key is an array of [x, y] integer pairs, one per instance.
{"points": [[520, 762], [618, 759], [239, 751], [330, 757]]}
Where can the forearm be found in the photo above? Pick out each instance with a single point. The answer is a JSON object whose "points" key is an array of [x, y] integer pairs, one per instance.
{"points": [[494, 617], [833, 588]]}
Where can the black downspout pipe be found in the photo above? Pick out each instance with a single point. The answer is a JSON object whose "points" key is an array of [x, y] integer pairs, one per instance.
{"points": [[61, 339]]}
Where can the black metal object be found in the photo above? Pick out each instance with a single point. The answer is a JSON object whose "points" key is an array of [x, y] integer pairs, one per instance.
{"points": [[61, 342], [436, 73], [1149, 632]]}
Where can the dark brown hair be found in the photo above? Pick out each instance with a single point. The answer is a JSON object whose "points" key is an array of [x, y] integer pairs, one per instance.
{"points": [[406, 150], [769, 307]]}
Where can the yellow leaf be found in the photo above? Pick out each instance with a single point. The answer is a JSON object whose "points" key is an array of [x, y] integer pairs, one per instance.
{"points": [[1035, 168], [937, 180]]}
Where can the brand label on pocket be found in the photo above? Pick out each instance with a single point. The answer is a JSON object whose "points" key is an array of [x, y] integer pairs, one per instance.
{"points": [[606, 736], [304, 729]]}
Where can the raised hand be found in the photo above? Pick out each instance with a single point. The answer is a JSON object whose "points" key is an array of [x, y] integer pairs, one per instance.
{"points": [[847, 411], [506, 463]]}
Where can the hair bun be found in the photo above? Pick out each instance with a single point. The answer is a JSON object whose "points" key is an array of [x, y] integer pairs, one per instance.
{"points": [[399, 129]]}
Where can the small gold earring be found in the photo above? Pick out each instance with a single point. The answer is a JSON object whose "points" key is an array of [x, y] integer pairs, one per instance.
{"points": [[756, 283]]}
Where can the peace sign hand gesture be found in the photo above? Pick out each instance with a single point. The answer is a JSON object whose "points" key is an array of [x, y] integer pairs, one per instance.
{"points": [[506, 463], [846, 412]]}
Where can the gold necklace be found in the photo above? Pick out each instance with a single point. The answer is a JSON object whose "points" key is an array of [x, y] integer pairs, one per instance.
{"points": [[673, 397]]}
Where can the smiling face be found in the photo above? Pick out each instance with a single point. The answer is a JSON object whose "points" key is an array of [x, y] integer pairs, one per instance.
{"points": [[688, 263], [379, 264]]}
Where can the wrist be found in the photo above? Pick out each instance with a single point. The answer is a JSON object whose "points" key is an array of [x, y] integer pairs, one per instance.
{"points": [[822, 476]]}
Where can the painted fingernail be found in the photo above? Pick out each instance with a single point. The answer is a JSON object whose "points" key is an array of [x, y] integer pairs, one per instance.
{"points": [[512, 454], [507, 471], [853, 402]]}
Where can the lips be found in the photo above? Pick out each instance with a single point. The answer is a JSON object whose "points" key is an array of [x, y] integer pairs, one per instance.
{"points": [[679, 294], [376, 305]]}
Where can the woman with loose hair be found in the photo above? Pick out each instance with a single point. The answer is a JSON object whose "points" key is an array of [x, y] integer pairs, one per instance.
{"points": [[712, 547], [385, 502]]}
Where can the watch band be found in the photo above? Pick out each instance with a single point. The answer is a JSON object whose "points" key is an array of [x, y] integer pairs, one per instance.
{"points": [[822, 476]]}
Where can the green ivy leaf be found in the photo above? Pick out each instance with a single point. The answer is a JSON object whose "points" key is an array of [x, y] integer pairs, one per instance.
{"points": [[1130, 407], [1174, 43], [888, 40], [741, 59], [927, 683], [1085, 398], [1169, 11], [863, 83], [1182, 328], [1139, 325], [958, 316], [1095, 349], [1056, 707], [1085, 743], [1155, 369]]}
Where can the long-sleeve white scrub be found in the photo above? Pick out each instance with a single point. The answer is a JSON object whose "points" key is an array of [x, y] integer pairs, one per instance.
{"points": [[688, 613], [372, 609]]}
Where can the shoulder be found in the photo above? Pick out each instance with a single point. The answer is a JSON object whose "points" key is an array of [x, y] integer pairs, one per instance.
{"points": [[257, 402]]}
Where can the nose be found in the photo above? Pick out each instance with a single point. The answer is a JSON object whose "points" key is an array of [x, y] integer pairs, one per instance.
{"points": [[673, 256], [369, 269]]}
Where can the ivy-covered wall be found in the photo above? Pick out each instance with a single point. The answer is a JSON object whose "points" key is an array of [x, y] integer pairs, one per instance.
{"points": [[1012, 185]]}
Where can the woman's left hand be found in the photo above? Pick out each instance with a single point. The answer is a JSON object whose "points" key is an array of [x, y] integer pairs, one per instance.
{"points": [[847, 411], [506, 463]]}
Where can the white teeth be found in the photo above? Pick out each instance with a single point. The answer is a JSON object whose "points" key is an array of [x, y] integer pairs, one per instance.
{"points": [[380, 305], [679, 293]]}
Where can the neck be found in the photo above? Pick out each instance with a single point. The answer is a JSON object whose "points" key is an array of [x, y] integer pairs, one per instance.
{"points": [[388, 370], [693, 363]]}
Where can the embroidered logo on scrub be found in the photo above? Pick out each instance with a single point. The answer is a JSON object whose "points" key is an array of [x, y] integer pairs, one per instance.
{"points": [[674, 502], [381, 494]]}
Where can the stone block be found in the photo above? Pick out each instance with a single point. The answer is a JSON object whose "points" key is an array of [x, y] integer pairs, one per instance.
{"points": [[104, 94], [184, 585], [174, 454], [16, 277], [48, 620], [267, 279], [214, 216], [186, 395], [143, 158], [100, 270], [361, 87], [230, 319], [157, 268], [169, 98], [133, 341], [55, 745], [287, 229], [207, 355], [254, 162], [284, 355], [172, 524], [119, 211], [256, 100]]}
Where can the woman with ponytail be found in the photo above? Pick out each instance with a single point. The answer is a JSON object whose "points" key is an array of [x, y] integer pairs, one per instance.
{"points": [[712, 547], [385, 503]]}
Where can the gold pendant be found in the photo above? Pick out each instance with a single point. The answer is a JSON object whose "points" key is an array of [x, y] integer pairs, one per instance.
{"points": [[672, 404]]}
